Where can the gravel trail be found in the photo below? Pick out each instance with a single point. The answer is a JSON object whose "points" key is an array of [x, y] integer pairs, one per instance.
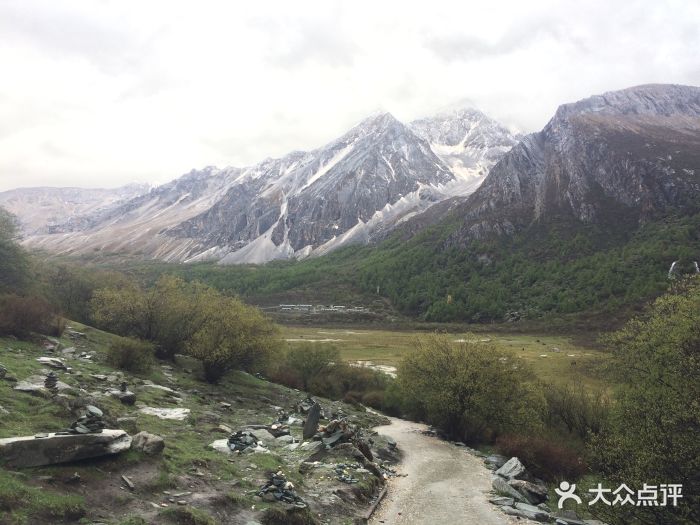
{"points": [[444, 484]]}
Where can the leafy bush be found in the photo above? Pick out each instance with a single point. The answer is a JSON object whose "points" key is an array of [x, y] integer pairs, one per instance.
{"points": [[472, 392], [20, 316], [318, 369], [545, 458], [652, 436], [232, 336], [303, 362], [576, 410], [131, 355]]}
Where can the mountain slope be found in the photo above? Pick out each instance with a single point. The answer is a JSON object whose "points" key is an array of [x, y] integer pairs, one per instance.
{"points": [[638, 149], [587, 215], [353, 190], [40, 210]]}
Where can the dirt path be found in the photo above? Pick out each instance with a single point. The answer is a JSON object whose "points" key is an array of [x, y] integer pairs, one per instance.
{"points": [[445, 484]]}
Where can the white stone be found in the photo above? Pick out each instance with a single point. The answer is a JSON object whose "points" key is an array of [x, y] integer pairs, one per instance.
{"points": [[166, 413]]}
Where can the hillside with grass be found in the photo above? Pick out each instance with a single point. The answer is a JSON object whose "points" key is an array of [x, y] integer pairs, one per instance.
{"points": [[190, 482]]}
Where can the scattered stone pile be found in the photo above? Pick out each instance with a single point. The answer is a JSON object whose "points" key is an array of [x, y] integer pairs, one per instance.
{"points": [[279, 489], [343, 474], [89, 423], [522, 495], [242, 440], [336, 432]]}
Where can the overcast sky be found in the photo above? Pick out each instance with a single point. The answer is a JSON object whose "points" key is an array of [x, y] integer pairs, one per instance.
{"points": [[103, 93]]}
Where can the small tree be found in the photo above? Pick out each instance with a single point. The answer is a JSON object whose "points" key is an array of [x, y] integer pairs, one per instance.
{"points": [[14, 263], [232, 336], [653, 434], [131, 355], [308, 360], [470, 391]]}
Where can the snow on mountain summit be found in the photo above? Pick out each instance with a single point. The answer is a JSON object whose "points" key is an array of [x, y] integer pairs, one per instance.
{"points": [[351, 190]]}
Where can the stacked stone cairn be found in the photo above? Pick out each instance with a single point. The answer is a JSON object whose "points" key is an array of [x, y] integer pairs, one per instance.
{"points": [[281, 490], [89, 423], [51, 383]]}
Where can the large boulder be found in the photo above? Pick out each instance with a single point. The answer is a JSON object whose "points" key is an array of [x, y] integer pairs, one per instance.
{"points": [[30, 451], [535, 493], [512, 469], [312, 419], [147, 443], [127, 397], [501, 487]]}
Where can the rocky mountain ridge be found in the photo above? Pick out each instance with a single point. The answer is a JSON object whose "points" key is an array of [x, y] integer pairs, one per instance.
{"points": [[352, 190], [631, 153]]}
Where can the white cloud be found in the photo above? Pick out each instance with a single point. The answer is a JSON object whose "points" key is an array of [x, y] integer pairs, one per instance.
{"points": [[105, 93]]}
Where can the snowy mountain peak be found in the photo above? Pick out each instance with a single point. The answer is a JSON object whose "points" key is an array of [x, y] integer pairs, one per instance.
{"points": [[353, 189], [466, 139]]}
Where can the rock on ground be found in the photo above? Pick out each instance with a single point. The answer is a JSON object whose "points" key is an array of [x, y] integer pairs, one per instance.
{"points": [[166, 413], [148, 443], [29, 451], [512, 469], [500, 486]]}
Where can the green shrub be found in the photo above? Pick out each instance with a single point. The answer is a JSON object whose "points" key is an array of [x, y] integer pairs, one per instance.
{"points": [[21, 316], [131, 355], [576, 410], [471, 392], [544, 457], [652, 435]]}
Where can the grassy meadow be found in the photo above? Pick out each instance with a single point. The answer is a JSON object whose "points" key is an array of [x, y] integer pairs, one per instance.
{"points": [[557, 359]]}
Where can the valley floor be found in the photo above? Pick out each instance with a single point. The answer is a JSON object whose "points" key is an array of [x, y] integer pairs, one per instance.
{"points": [[557, 359]]}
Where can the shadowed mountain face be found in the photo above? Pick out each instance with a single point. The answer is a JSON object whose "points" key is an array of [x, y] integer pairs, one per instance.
{"points": [[635, 151], [353, 190]]}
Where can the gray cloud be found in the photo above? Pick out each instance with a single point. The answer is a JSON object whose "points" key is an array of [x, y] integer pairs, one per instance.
{"points": [[142, 91]]}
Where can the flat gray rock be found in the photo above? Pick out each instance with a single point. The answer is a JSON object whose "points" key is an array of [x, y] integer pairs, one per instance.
{"points": [[500, 486], [502, 501], [263, 435], [34, 385], [28, 451], [535, 516], [166, 413], [512, 469]]}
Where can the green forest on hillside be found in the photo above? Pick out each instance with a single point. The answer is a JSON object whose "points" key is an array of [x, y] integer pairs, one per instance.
{"points": [[544, 271]]}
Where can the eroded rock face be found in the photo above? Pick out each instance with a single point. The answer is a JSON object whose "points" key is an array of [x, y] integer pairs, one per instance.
{"points": [[634, 152], [28, 451]]}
